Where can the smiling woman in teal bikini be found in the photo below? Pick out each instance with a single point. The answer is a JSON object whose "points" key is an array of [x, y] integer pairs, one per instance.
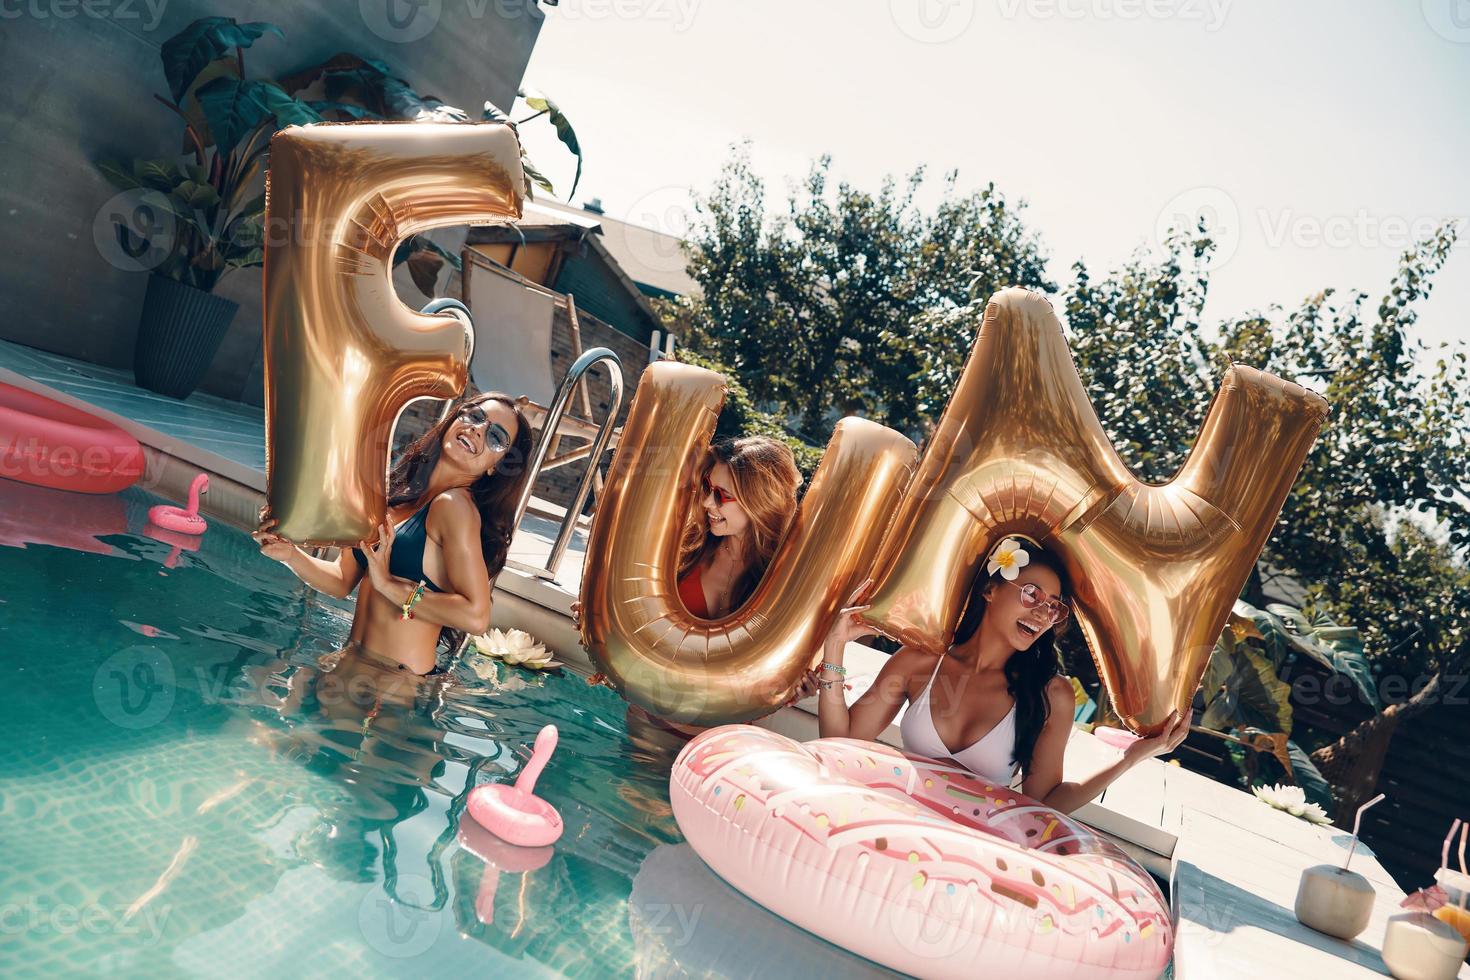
{"points": [[451, 504], [996, 702]]}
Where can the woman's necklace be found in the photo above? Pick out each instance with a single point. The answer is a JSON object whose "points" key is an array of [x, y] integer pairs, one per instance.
{"points": [[725, 582]]}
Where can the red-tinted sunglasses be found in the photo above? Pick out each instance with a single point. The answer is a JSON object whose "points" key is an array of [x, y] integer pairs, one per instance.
{"points": [[721, 497]]}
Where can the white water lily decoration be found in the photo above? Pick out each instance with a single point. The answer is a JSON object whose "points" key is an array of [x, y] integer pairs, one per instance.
{"points": [[516, 647], [1293, 800], [1008, 558]]}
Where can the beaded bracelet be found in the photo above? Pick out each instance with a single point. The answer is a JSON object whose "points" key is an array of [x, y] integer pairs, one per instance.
{"points": [[413, 598], [838, 668]]}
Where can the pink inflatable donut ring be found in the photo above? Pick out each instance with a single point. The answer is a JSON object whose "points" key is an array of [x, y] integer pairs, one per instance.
{"points": [[917, 865], [514, 813], [53, 445]]}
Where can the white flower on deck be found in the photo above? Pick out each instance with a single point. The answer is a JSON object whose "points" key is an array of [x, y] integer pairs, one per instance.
{"points": [[516, 647], [1292, 799], [1008, 558]]}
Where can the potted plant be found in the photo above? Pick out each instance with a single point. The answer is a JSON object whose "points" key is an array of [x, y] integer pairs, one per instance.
{"points": [[204, 215], [194, 222]]}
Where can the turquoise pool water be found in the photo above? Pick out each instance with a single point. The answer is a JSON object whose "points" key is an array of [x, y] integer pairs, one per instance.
{"points": [[186, 791]]}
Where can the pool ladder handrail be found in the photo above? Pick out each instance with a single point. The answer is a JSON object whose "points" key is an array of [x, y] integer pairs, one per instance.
{"points": [[549, 425]]}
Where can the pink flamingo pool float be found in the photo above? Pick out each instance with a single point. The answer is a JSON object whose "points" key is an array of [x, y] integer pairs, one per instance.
{"points": [[514, 813], [178, 519]]}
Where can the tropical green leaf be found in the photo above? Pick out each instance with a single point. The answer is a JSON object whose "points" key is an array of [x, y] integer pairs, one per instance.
{"points": [[253, 208], [235, 109], [246, 258], [1250, 694], [246, 233], [118, 174], [196, 196], [536, 176], [371, 85], [161, 175], [324, 106], [205, 40], [564, 131], [493, 113], [1310, 778], [342, 74], [1337, 648]]}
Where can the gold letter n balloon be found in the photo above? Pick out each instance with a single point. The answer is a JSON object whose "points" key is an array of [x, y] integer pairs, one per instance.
{"points": [[343, 355], [1019, 450]]}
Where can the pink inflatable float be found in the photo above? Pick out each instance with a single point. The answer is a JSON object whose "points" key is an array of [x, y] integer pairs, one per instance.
{"points": [[53, 445], [914, 864]]}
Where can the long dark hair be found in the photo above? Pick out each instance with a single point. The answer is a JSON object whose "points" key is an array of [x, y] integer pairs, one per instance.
{"points": [[495, 493], [1027, 671]]}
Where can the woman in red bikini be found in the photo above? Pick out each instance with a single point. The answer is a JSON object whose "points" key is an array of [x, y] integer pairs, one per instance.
{"points": [[748, 504], [749, 501]]}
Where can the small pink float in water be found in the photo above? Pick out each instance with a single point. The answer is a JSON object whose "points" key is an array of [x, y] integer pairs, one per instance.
{"points": [[513, 813], [177, 518]]}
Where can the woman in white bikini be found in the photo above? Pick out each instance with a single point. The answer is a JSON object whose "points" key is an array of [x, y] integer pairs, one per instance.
{"points": [[998, 695]]}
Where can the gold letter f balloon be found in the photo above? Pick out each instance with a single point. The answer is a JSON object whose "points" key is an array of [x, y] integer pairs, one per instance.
{"points": [[1155, 569], [342, 355]]}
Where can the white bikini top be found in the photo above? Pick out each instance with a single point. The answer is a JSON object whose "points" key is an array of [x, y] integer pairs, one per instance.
{"points": [[989, 758]]}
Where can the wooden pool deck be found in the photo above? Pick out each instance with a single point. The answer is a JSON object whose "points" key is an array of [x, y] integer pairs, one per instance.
{"points": [[1231, 861]]}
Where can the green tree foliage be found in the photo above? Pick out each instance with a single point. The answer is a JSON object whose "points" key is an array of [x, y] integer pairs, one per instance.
{"points": [[740, 417], [812, 307]]}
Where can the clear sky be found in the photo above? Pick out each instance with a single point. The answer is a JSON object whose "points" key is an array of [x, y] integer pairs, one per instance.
{"points": [[1322, 133]]}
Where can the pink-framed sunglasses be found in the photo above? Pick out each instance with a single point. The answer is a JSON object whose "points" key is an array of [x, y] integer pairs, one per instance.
{"points": [[1032, 596]]}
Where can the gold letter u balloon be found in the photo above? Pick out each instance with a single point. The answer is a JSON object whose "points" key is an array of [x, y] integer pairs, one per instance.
{"points": [[342, 355], [1019, 449]]}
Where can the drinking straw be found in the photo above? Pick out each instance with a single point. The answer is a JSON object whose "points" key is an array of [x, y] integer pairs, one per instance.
{"points": [[1463, 828], [1358, 819], [1444, 852]]}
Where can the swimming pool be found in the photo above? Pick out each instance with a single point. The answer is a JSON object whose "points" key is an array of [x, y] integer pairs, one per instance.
{"points": [[185, 790]]}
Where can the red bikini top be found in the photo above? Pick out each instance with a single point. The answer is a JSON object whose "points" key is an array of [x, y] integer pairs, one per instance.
{"points": [[691, 590]]}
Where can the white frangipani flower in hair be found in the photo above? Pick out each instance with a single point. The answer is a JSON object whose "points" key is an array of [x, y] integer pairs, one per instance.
{"points": [[1008, 558]]}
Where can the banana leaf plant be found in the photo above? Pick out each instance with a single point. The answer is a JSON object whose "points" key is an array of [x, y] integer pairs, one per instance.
{"points": [[1248, 704], [208, 210], [212, 205]]}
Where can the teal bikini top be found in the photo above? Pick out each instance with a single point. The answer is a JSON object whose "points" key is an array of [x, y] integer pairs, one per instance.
{"points": [[407, 558]]}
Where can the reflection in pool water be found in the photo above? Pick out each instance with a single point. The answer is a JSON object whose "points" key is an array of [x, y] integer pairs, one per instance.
{"points": [[194, 779], [193, 782]]}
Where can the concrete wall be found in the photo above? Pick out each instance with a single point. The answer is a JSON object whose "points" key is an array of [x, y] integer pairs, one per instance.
{"points": [[76, 84]]}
